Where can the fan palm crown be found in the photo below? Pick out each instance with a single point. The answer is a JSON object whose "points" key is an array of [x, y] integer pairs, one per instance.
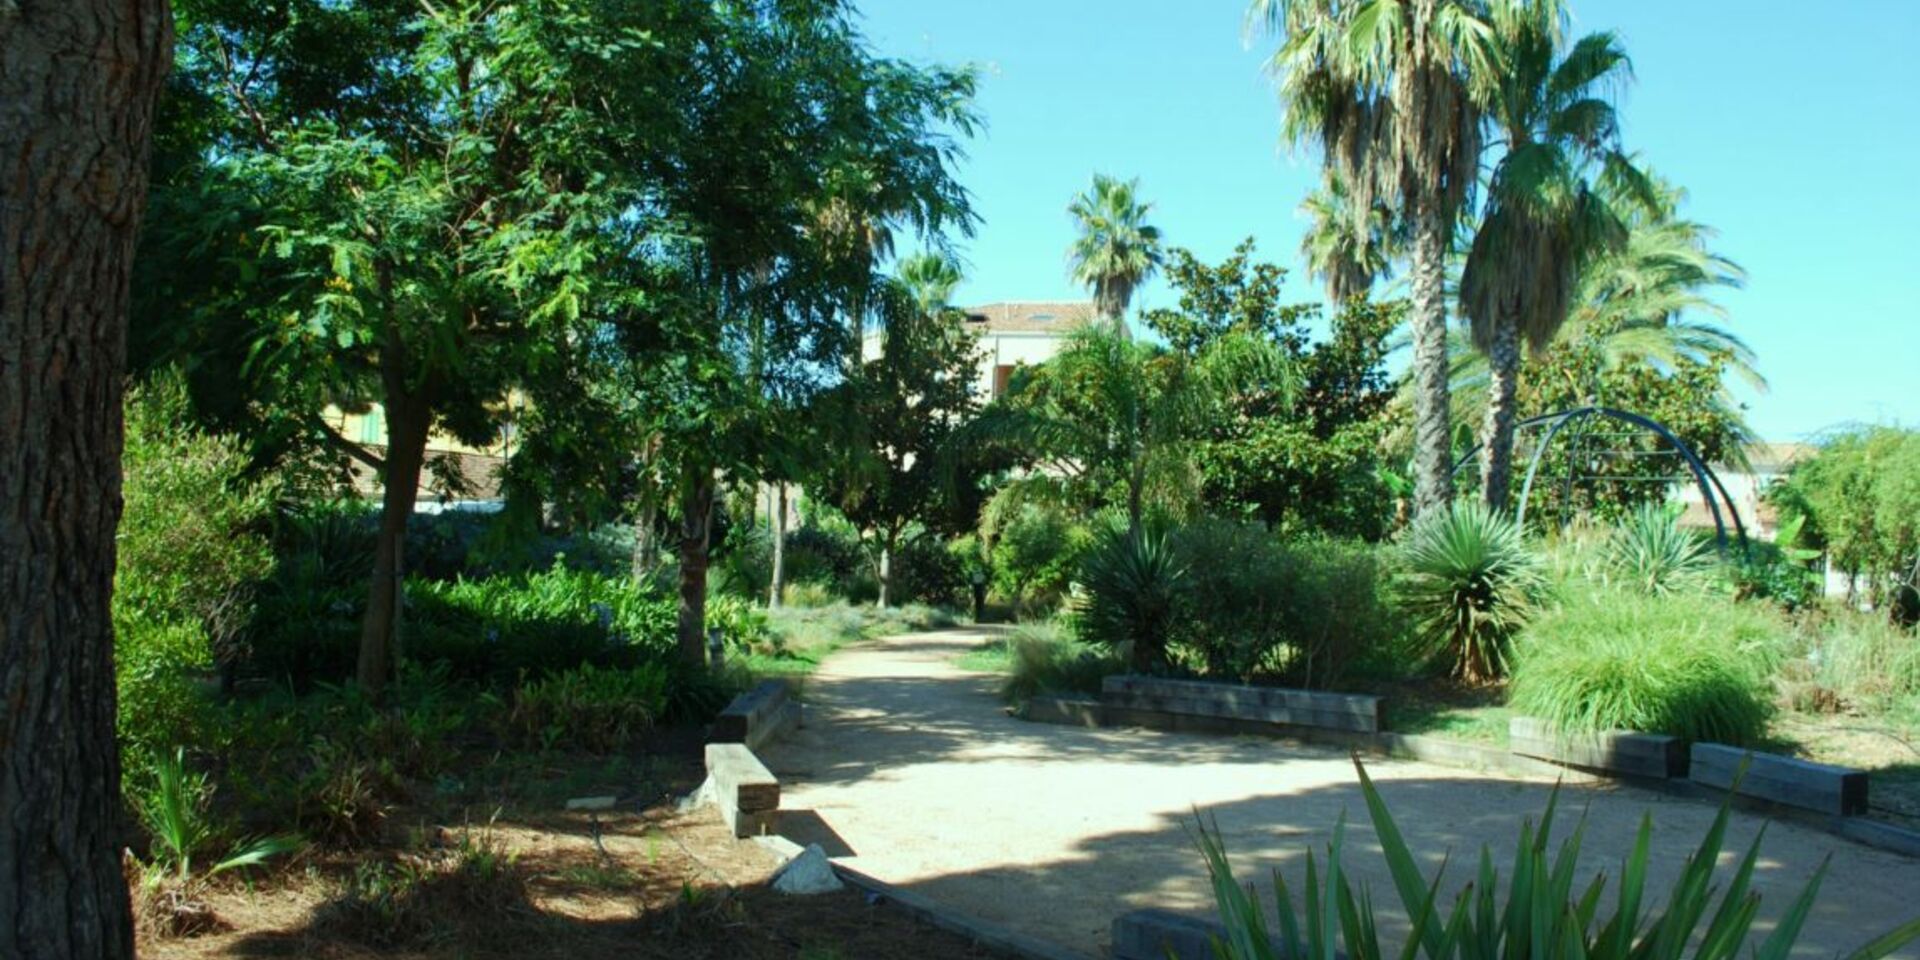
{"points": [[1117, 250]]}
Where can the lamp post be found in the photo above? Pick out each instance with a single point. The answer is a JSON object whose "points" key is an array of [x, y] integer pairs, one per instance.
{"points": [[979, 595]]}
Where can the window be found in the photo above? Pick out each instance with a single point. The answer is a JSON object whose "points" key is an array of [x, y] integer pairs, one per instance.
{"points": [[1002, 377]]}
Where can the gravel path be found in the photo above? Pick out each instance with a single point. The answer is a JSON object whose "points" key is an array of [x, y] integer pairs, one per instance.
{"points": [[910, 770]]}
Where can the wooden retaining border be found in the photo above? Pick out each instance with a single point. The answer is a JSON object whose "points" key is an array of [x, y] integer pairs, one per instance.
{"points": [[1650, 755], [758, 717], [746, 793], [1357, 713], [1820, 787]]}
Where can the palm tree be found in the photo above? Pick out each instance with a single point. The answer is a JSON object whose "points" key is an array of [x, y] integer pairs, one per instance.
{"points": [[1544, 217], [1390, 90], [1117, 249], [928, 279], [1345, 248]]}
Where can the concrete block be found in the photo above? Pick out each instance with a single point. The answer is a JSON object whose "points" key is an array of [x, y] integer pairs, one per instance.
{"points": [[1069, 711], [1637, 754], [748, 796], [1796, 783]]}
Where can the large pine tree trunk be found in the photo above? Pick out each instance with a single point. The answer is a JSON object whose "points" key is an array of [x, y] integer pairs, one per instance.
{"points": [[1496, 434], [696, 525], [777, 591], [408, 419], [1432, 429], [77, 86]]}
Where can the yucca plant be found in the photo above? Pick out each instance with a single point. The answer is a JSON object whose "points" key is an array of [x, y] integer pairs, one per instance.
{"points": [[1650, 552], [1540, 915], [1130, 584], [175, 815], [1470, 582]]}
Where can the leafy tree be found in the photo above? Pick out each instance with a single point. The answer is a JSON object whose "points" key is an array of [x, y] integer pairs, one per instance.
{"points": [[1109, 419], [899, 465], [426, 201], [79, 80], [1391, 91], [1544, 216], [1860, 500], [1299, 451], [1117, 250]]}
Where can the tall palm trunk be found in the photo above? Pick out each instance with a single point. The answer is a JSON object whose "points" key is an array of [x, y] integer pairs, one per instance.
{"points": [[1496, 434], [696, 526], [79, 79], [777, 591], [1432, 431]]}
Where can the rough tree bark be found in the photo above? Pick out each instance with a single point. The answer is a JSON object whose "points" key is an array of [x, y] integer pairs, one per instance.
{"points": [[696, 525], [1432, 429], [777, 591], [409, 418], [78, 80], [1496, 434]]}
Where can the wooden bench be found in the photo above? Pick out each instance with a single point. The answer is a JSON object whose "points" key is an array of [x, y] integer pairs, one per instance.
{"points": [[740, 785], [757, 717], [1797, 783], [1358, 713], [1616, 751]]}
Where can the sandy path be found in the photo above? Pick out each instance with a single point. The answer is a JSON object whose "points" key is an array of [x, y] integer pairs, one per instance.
{"points": [[911, 771]]}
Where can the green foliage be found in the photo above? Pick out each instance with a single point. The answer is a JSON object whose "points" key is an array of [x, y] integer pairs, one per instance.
{"points": [[191, 549], [1860, 496], [1469, 582], [1133, 584], [1302, 456], [467, 895], [174, 811], [1309, 612], [740, 621], [1781, 571], [1865, 658], [1116, 249], [591, 709], [1649, 552], [1539, 914], [1042, 658], [1692, 666], [1036, 549]]}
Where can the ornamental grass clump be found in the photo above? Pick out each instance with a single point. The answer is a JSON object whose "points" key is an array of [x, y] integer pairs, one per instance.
{"points": [[1696, 667], [1470, 581], [1651, 554], [1539, 915]]}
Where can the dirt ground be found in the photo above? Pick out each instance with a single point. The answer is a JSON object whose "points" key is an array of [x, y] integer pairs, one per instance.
{"points": [[627, 883], [911, 770]]}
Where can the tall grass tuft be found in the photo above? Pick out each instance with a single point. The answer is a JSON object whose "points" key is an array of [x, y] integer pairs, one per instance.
{"points": [[1540, 914], [1043, 659], [1469, 583], [175, 814], [1696, 667], [1651, 554]]}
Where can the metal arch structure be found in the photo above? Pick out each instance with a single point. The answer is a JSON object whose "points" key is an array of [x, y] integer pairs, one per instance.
{"points": [[1703, 475]]}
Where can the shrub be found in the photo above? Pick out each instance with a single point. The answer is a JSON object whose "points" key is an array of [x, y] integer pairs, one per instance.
{"points": [[174, 811], [1860, 496], [475, 894], [1305, 613], [1470, 581], [1541, 914], [1650, 553], [1041, 658], [1695, 667], [1133, 584], [191, 548], [741, 622], [1036, 550], [1865, 657], [590, 709]]}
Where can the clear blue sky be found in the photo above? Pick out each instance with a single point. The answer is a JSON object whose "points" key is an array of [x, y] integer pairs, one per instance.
{"points": [[1795, 127]]}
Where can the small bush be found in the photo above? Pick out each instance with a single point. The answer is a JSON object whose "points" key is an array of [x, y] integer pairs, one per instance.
{"points": [[741, 622], [1307, 613], [1041, 658], [475, 894], [1694, 667], [1650, 553], [591, 709], [1036, 551], [1865, 657], [1133, 587], [1470, 581]]}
